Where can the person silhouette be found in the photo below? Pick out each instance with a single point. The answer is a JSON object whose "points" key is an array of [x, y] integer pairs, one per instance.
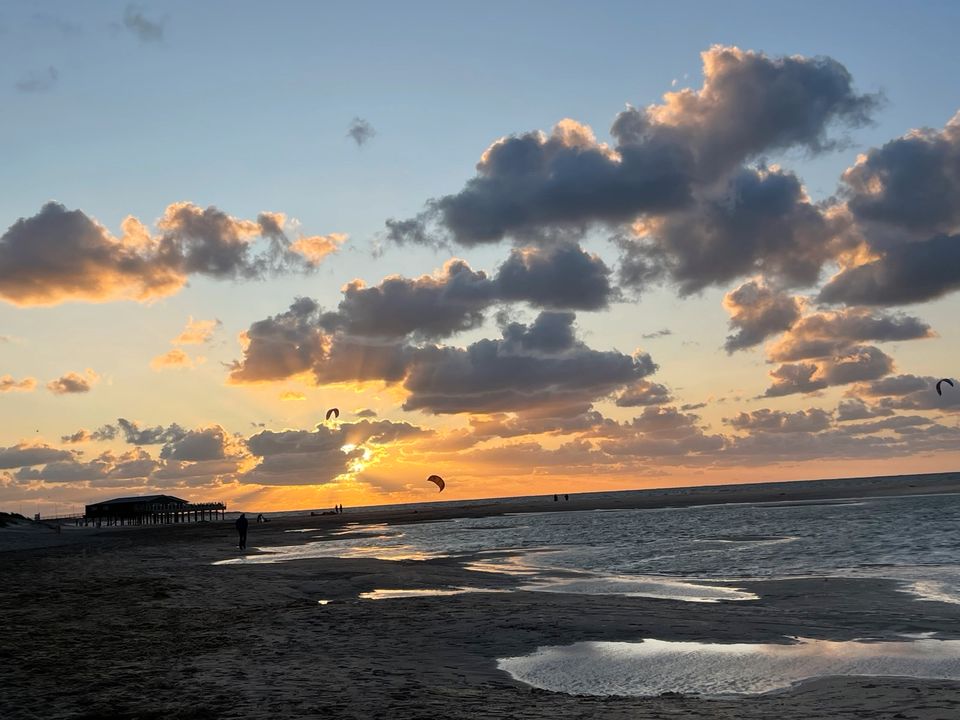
{"points": [[242, 530]]}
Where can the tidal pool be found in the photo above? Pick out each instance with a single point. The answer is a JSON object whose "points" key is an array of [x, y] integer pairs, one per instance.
{"points": [[652, 667]]}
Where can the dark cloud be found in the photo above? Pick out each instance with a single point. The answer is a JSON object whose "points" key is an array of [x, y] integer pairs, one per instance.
{"points": [[23, 455], [644, 393], [108, 469], [528, 368], [431, 306], [657, 334], [778, 421], [891, 423], [756, 313], [302, 457], [60, 255], [38, 81], [104, 432], [532, 365], [145, 29], [750, 104], [365, 413], [825, 334], [557, 276], [909, 272], [857, 364], [73, 383], [908, 392], [758, 221], [197, 445], [905, 197], [856, 409], [912, 182], [660, 432], [360, 131], [157, 435]]}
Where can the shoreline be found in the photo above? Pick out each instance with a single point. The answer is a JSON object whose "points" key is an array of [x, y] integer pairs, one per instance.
{"points": [[137, 622]]}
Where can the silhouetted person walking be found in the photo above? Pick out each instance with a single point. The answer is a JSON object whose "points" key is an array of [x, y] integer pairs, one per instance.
{"points": [[242, 530]]}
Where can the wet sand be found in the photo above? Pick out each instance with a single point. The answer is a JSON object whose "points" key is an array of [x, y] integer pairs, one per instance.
{"points": [[138, 623]]}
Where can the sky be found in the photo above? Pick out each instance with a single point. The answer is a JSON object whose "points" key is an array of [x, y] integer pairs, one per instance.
{"points": [[531, 247]]}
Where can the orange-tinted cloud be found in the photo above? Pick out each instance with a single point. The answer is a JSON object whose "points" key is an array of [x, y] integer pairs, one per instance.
{"points": [[59, 255], [73, 383], [9, 384], [197, 332]]}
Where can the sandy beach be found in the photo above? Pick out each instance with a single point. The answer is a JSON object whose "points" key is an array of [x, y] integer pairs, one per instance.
{"points": [[139, 623]]}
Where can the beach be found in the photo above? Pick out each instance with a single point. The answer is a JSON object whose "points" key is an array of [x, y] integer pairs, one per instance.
{"points": [[141, 622]]}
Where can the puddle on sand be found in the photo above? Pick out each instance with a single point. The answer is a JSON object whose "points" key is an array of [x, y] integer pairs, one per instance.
{"points": [[394, 594], [642, 586], [652, 667]]}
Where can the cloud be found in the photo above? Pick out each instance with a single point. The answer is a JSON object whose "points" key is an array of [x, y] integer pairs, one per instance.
{"points": [[777, 421], [10, 384], [856, 364], [315, 248], [24, 455], [757, 312], [912, 182], [559, 276], [73, 383], [532, 365], [197, 332], [759, 220], [365, 413], [360, 131], [303, 457], [431, 306], [145, 29], [534, 184], [856, 409], [60, 255], [664, 332], [104, 432], [197, 445], [175, 358], [909, 272], [908, 392], [905, 199], [644, 393], [661, 432], [292, 395], [157, 435], [133, 468], [38, 81], [891, 423], [541, 365], [824, 334]]}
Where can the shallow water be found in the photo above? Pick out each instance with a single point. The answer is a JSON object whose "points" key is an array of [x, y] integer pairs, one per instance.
{"points": [[652, 667], [915, 540]]}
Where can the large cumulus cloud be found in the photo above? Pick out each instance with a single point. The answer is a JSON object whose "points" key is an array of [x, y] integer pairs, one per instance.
{"points": [[905, 197], [536, 365], [531, 184], [59, 255]]}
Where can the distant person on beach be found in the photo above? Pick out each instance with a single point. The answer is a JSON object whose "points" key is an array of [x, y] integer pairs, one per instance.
{"points": [[242, 530], [566, 497], [555, 498], [260, 518]]}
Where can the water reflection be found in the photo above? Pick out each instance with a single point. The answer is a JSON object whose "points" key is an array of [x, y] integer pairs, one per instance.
{"points": [[652, 667]]}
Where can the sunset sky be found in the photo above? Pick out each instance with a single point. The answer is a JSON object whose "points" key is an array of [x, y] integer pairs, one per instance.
{"points": [[531, 247]]}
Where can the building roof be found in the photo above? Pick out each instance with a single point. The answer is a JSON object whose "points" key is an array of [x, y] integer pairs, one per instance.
{"points": [[141, 499]]}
